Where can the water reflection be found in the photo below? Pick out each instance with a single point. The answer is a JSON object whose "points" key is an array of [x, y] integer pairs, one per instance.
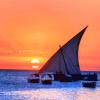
{"points": [[54, 94], [14, 86]]}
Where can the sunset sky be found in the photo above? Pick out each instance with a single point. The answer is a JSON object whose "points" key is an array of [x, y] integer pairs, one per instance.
{"points": [[31, 31]]}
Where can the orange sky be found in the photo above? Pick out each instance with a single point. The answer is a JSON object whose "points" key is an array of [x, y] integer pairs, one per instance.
{"points": [[32, 29]]}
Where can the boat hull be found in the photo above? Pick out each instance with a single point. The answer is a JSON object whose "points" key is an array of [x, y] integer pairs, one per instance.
{"points": [[76, 77], [46, 81], [33, 80], [89, 84], [62, 78]]}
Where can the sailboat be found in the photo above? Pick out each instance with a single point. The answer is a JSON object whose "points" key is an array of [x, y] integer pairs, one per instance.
{"points": [[46, 78], [64, 64], [34, 78]]}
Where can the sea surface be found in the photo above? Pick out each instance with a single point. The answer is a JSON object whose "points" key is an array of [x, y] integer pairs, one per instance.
{"points": [[14, 86]]}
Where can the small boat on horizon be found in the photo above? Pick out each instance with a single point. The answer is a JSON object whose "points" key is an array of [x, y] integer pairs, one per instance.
{"points": [[34, 78], [91, 76], [89, 84]]}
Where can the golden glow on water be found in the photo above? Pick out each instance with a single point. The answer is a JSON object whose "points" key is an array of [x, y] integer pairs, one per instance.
{"points": [[35, 67]]}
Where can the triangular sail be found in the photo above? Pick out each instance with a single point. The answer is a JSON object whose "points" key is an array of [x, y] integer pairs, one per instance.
{"points": [[70, 51], [70, 54]]}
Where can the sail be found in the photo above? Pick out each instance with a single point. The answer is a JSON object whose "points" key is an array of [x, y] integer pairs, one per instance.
{"points": [[65, 60], [70, 51], [55, 64]]}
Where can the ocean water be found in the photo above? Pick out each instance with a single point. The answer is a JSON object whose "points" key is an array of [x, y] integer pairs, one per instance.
{"points": [[14, 86]]}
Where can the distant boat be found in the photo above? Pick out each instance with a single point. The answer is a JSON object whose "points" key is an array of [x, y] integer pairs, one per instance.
{"points": [[91, 76], [34, 78], [89, 84], [46, 78], [65, 61]]}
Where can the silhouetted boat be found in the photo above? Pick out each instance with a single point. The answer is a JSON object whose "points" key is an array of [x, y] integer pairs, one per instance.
{"points": [[65, 61], [89, 84], [34, 78], [46, 78], [90, 76]]}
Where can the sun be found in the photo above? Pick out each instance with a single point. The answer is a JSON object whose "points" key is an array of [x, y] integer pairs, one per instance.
{"points": [[35, 61]]}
